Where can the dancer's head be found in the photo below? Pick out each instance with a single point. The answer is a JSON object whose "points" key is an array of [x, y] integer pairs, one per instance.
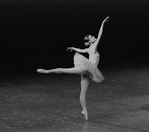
{"points": [[89, 39]]}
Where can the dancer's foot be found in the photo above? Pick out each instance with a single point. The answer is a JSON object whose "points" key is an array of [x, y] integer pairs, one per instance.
{"points": [[85, 113], [42, 71]]}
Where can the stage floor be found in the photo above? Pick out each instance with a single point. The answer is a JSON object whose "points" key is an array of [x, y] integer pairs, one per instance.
{"points": [[50, 103]]}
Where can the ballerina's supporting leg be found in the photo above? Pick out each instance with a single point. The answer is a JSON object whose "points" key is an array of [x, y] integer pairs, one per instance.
{"points": [[84, 86], [73, 70]]}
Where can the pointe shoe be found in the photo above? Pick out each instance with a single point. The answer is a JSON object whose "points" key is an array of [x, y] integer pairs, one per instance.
{"points": [[42, 71], [84, 112]]}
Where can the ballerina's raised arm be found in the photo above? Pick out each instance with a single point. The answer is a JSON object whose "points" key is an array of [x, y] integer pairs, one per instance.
{"points": [[100, 31]]}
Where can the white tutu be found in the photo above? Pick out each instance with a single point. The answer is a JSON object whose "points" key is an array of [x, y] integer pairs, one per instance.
{"points": [[95, 74]]}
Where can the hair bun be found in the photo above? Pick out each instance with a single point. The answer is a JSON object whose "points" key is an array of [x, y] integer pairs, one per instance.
{"points": [[86, 37]]}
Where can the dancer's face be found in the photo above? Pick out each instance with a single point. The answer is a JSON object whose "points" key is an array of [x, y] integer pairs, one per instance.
{"points": [[91, 39]]}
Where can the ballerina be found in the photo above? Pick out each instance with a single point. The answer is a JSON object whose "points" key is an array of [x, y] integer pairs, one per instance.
{"points": [[83, 66]]}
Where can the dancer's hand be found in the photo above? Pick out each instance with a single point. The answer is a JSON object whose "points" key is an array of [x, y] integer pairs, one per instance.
{"points": [[70, 48], [106, 19]]}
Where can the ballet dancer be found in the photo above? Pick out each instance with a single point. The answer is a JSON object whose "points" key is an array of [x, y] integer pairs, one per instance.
{"points": [[87, 68]]}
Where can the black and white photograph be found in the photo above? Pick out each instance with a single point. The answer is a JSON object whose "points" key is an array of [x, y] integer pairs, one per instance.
{"points": [[74, 66]]}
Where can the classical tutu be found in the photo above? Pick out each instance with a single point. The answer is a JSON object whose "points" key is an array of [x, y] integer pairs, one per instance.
{"points": [[95, 74]]}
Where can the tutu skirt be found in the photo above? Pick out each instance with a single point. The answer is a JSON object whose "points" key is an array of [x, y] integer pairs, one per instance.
{"points": [[83, 62]]}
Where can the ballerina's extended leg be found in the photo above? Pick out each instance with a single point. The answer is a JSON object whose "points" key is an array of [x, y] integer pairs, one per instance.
{"points": [[73, 70]]}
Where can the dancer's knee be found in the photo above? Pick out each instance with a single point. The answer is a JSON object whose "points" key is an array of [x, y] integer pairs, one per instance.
{"points": [[83, 93]]}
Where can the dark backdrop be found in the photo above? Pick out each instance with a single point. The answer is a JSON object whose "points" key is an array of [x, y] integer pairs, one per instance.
{"points": [[36, 34]]}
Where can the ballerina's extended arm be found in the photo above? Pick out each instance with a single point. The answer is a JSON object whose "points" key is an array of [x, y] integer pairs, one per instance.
{"points": [[77, 49], [100, 31]]}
